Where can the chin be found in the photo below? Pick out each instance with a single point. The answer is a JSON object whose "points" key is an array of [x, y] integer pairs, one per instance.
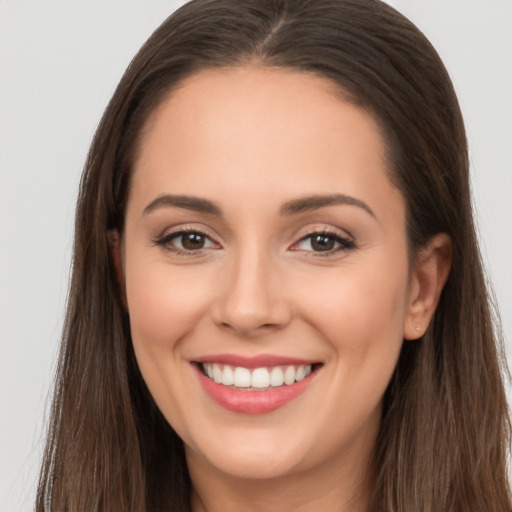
{"points": [[252, 457]]}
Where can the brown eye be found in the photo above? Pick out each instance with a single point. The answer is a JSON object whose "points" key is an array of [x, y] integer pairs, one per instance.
{"points": [[192, 241], [322, 242], [186, 242]]}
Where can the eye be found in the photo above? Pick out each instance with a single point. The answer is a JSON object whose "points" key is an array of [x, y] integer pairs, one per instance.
{"points": [[324, 242], [186, 241]]}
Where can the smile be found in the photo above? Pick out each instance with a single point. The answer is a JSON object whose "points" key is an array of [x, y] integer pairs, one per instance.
{"points": [[255, 385], [255, 379]]}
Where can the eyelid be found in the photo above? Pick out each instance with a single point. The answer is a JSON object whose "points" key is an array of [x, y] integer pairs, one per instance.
{"points": [[346, 240], [324, 228], [163, 239]]}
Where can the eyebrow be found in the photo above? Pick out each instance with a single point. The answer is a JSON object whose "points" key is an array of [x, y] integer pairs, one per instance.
{"points": [[195, 204], [315, 202], [293, 207]]}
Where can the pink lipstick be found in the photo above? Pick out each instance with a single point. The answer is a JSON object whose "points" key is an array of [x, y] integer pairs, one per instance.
{"points": [[254, 385]]}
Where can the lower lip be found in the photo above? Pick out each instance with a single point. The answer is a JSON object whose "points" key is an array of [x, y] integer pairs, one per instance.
{"points": [[252, 402]]}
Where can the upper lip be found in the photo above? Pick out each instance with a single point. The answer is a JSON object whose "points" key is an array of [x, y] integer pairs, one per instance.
{"points": [[258, 361]]}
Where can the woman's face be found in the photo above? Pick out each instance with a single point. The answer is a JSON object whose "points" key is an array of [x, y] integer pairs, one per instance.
{"points": [[264, 244]]}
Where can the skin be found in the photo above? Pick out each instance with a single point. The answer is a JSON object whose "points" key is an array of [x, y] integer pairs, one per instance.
{"points": [[251, 139]]}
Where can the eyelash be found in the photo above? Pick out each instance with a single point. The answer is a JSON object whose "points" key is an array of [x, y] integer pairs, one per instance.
{"points": [[345, 244], [165, 242]]}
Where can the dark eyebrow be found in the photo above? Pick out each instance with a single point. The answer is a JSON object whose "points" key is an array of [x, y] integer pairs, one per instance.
{"points": [[314, 202], [186, 202]]}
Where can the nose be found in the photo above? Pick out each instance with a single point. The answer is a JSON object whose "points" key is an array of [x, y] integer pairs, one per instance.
{"points": [[252, 296]]}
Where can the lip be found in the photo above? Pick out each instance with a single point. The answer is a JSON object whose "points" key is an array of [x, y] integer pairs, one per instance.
{"points": [[252, 402], [258, 361]]}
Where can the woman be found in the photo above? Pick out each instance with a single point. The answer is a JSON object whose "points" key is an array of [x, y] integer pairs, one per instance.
{"points": [[277, 298]]}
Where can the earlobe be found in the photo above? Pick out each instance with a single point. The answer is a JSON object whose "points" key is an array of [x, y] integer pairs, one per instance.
{"points": [[431, 270], [114, 244]]}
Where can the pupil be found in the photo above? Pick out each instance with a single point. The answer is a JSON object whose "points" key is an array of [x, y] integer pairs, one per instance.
{"points": [[322, 243], [193, 241]]}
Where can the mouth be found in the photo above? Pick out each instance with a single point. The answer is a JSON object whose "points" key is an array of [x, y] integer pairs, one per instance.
{"points": [[255, 385], [256, 379]]}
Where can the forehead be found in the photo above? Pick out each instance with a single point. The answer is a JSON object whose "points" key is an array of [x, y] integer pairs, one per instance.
{"points": [[262, 128], [216, 103]]}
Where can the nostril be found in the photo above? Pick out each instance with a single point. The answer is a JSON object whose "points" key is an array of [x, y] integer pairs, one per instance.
{"points": [[247, 330], [247, 314]]}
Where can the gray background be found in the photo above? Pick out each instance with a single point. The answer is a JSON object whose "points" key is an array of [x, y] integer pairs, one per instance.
{"points": [[59, 64]]}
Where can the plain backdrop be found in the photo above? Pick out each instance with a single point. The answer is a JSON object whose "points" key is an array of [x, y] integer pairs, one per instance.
{"points": [[59, 64]]}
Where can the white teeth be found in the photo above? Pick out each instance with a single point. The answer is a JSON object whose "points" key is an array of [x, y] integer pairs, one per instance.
{"points": [[242, 377], [217, 374], [289, 375], [276, 376], [258, 378], [228, 378]]}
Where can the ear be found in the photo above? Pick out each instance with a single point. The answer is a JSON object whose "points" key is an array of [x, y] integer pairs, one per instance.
{"points": [[114, 245], [429, 275]]}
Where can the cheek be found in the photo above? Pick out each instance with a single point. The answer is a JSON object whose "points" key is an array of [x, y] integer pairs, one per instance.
{"points": [[361, 318], [360, 309], [164, 304]]}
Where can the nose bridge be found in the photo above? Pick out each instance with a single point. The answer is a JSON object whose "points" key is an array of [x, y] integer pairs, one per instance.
{"points": [[251, 295]]}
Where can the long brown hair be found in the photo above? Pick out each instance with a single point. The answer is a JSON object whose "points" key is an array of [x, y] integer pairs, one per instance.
{"points": [[445, 429]]}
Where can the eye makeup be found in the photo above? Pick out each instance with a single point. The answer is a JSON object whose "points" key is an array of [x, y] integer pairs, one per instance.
{"points": [[319, 242]]}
